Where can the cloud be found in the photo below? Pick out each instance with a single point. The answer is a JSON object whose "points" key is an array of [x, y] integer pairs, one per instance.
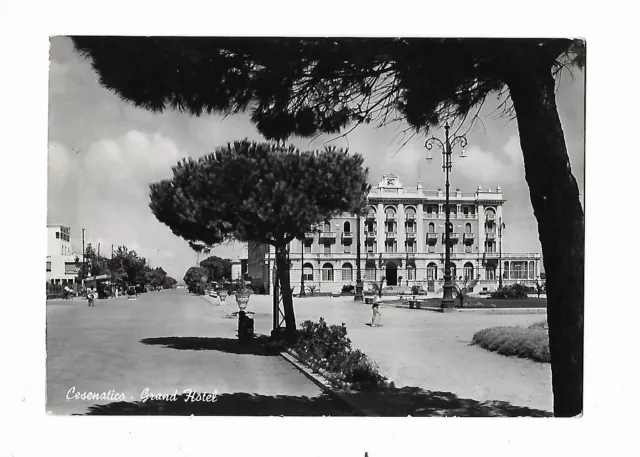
{"points": [[489, 168]]}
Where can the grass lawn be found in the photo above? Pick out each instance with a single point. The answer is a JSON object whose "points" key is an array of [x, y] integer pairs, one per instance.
{"points": [[530, 343], [482, 302]]}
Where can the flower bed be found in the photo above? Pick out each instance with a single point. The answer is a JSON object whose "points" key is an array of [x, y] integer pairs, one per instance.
{"points": [[529, 343], [327, 350]]}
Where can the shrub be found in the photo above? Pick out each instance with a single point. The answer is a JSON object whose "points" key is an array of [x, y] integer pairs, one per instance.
{"points": [[312, 289], [542, 325], [530, 343], [348, 288], [512, 291], [328, 347]]}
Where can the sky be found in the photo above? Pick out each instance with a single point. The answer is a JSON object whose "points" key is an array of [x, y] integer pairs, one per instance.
{"points": [[104, 152]]}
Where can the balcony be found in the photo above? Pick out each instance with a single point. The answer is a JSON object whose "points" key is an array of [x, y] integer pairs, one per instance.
{"points": [[432, 237], [347, 235], [490, 217], [410, 217], [309, 235], [469, 236], [370, 216], [490, 236], [370, 233], [328, 235], [431, 216], [453, 236], [468, 215], [411, 235], [391, 234], [390, 217]]}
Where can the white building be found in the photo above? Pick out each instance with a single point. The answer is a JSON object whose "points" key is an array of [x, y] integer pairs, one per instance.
{"points": [[402, 240], [61, 263]]}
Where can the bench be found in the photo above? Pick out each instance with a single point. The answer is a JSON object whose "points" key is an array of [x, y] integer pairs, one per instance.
{"points": [[414, 302]]}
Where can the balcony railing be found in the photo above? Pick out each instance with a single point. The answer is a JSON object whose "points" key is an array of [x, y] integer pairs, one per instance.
{"points": [[491, 217], [309, 235], [453, 236], [370, 233], [410, 217], [431, 216], [391, 234], [328, 235], [469, 236], [468, 216], [390, 217], [432, 236], [411, 234], [347, 235], [490, 236]]}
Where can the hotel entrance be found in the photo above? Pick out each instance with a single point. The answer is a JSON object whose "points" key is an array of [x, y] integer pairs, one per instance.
{"points": [[392, 274]]}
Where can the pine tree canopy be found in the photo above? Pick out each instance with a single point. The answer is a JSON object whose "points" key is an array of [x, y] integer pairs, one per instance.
{"points": [[261, 192], [306, 87]]}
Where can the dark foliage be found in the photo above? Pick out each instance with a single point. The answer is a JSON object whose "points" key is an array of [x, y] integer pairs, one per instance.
{"points": [[512, 291], [328, 347]]}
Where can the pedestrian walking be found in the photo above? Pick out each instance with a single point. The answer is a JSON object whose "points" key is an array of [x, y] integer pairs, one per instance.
{"points": [[375, 318]]}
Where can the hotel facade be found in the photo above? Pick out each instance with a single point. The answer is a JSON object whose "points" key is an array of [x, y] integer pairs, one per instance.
{"points": [[402, 241]]}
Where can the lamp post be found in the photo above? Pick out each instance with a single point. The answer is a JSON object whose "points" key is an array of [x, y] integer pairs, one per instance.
{"points": [[447, 304], [501, 227], [358, 296]]}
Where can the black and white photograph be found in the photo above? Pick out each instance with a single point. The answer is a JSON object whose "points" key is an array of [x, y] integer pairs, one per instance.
{"points": [[315, 226], [334, 229]]}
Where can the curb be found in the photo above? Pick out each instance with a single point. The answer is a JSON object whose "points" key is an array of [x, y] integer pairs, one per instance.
{"points": [[325, 385], [477, 310]]}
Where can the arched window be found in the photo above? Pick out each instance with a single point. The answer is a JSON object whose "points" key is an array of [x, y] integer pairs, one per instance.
{"points": [[454, 272], [467, 228], [371, 213], [410, 213], [432, 227], [307, 271], [347, 272], [327, 272], [468, 271], [370, 271], [432, 272], [411, 272], [347, 226], [390, 212], [326, 227]]}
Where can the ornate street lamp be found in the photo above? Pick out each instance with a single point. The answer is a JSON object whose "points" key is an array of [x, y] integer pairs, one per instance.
{"points": [[501, 227], [448, 303], [358, 296]]}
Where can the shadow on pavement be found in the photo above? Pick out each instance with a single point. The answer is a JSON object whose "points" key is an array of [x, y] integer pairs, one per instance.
{"points": [[414, 401], [257, 346], [236, 404], [406, 401]]}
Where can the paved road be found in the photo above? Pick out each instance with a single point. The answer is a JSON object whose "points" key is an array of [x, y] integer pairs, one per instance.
{"points": [[165, 342], [432, 351]]}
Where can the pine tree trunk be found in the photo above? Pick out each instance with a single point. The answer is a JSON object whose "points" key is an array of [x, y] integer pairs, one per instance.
{"points": [[282, 263], [556, 205]]}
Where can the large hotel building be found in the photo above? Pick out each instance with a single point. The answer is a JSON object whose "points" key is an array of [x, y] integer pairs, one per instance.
{"points": [[402, 240]]}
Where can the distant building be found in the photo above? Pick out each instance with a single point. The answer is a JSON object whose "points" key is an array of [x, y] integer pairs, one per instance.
{"points": [[61, 261], [239, 269], [402, 240]]}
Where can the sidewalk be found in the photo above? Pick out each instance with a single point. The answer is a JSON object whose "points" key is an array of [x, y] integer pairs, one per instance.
{"points": [[152, 355]]}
